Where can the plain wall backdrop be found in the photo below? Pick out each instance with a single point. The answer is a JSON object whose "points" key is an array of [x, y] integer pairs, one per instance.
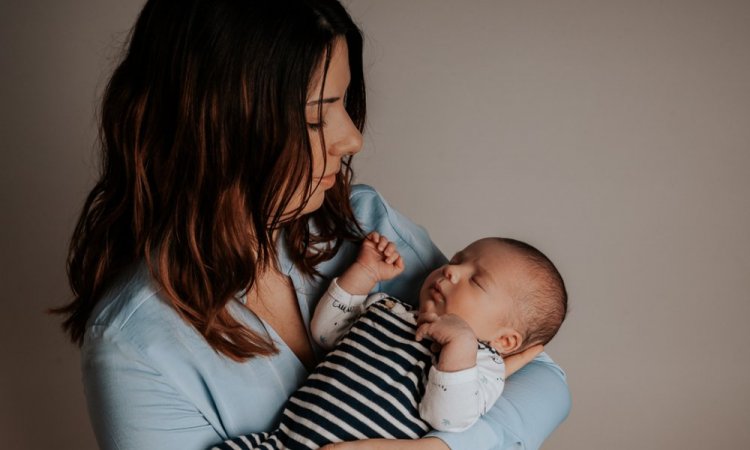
{"points": [[614, 135]]}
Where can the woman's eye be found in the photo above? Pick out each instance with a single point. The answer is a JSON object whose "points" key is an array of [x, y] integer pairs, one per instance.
{"points": [[474, 280], [316, 126]]}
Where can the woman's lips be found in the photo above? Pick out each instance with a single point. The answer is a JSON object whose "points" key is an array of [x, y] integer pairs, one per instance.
{"points": [[328, 180]]}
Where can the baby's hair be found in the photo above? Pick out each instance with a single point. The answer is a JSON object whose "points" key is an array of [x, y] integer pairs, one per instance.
{"points": [[543, 303]]}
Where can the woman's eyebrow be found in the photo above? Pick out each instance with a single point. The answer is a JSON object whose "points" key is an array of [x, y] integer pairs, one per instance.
{"points": [[325, 100]]}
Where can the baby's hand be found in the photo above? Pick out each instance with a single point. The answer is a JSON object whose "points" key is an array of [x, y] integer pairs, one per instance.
{"points": [[380, 257], [444, 329], [378, 260], [453, 337]]}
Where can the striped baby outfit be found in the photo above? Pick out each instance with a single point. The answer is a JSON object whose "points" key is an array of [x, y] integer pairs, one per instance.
{"points": [[369, 386]]}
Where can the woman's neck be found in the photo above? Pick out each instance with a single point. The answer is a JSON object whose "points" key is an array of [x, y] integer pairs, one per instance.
{"points": [[274, 300]]}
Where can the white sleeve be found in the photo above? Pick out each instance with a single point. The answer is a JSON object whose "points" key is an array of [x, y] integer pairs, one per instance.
{"points": [[453, 401], [334, 315]]}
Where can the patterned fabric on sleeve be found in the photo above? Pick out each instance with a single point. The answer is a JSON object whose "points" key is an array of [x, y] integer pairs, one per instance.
{"points": [[454, 401]]}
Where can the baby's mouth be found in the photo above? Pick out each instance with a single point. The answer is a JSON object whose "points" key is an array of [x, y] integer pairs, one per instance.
{"points": [[436, 293]]}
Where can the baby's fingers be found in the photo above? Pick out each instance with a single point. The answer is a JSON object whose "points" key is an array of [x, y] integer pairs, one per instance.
{"points": [[383, 243], [426, 317], [391, 253], [423, 331], [374, 237]]}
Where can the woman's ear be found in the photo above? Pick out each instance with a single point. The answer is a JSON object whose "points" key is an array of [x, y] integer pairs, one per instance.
{"points": [[507, 341]]}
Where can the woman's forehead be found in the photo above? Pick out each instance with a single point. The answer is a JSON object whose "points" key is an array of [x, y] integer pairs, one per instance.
{"points": [[338, 77]]}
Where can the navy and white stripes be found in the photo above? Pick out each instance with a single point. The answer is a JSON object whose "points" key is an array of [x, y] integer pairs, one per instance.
{"points": [[369, 386]]}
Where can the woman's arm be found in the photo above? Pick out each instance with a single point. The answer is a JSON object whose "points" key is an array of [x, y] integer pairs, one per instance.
{"points": [[535, 400], [523, 417], [429, 443]]}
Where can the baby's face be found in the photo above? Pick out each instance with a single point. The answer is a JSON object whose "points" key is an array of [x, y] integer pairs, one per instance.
{"points": [[476, 285]]}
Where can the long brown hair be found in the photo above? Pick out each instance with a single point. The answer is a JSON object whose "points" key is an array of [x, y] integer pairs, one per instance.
{"points": [[203, 144]]}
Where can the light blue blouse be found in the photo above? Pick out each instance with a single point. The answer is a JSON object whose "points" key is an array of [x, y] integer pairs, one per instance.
{"points": [[152, 382]]}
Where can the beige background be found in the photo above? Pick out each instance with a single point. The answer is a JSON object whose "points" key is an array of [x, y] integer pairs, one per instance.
{"points": [[614, 135]]}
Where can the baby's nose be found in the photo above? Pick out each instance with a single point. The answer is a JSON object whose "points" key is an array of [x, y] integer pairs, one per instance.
{"points": [[450, 273]]}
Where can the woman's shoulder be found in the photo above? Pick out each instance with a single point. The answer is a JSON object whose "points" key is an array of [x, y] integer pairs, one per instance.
{"points": [[125, 296], [362, 189], [134, 325], [419, 253], [133, 310], [374, 213], [365, 198]]}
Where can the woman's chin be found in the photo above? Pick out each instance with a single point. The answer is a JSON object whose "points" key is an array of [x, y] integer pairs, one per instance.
{"points": [[314, 203]]}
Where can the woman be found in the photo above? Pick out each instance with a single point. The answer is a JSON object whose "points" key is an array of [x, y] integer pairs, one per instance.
{"points": [[224, 206]]}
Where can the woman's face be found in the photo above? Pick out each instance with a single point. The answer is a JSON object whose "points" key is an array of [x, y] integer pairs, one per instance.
{"points": [[342, 137]]}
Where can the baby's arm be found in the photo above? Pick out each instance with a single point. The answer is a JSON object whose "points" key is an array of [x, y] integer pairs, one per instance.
{"points": [[460, 388], [343, 302], [334, 315], [455, 337]]}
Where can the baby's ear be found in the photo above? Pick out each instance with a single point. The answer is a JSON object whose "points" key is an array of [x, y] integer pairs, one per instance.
{"points": [[508, 340]]}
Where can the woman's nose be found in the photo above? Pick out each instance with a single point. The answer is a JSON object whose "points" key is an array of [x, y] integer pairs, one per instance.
{"points": [[348, 140]]}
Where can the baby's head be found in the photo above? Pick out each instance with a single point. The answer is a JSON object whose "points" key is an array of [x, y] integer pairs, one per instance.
{"points": [[510, 294]]}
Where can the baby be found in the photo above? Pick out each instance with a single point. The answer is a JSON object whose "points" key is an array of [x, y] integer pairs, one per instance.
{"points": [[495, 298]]}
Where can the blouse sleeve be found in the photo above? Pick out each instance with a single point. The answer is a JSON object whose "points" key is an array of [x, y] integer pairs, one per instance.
{"points": [[535, 400]]}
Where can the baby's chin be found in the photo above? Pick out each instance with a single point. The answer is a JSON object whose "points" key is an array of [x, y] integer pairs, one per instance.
{"points": [[424, 306], [424, 295], [424, 298], [427, 302]]}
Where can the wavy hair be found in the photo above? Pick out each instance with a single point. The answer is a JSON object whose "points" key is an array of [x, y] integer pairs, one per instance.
{"points": [[204, 142]]}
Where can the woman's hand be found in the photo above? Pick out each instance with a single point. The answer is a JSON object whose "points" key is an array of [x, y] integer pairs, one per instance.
{"points": [[428, 443], [514, 363]]}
